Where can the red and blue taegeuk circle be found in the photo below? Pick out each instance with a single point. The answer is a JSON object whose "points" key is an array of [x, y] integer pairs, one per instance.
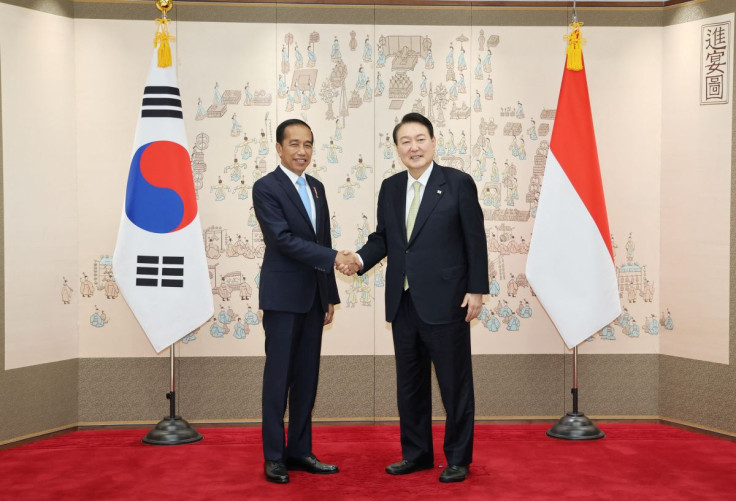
{"points": [[160, 196]]}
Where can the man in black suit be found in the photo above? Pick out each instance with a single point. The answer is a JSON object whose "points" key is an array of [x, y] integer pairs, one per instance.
{"points": [[297, 293], [430, 225]]}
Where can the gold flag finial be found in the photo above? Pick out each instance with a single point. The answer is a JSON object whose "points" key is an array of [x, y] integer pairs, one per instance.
{"points": [[162, 37], [575, 42]]}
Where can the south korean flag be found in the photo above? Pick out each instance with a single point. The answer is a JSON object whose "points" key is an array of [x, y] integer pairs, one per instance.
{"points": [[159, 262]]}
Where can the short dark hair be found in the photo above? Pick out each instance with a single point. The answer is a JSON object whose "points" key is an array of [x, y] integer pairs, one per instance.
{"points": [[283, 125], [414, 118]]}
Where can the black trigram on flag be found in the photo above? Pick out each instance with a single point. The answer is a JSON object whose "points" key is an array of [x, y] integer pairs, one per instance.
{"points": [[149, 270], [161, 101]]}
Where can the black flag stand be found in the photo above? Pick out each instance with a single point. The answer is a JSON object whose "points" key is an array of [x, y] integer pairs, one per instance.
{"points": [[172, 430], [575, 425]]}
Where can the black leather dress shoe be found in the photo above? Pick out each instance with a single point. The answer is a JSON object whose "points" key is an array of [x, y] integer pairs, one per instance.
{"points": [[311, 464], [276, 472], [404, 467], [454, 473]]}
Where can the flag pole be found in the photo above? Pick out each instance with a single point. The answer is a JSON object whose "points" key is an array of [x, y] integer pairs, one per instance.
{"points": [[575, 425], [173, 429]]}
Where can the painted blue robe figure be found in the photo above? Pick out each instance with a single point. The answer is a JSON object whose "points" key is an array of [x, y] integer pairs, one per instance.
{"points": [[532, 131], [388, 149], [248, 100], [461, 64], [488, 91], [252, 221], [381, 57], [361, 78], [263, 144], [335, 228], [95, 320], [478, 70], [526, 311], [380, 280], [625, 319], [257, 278], [514, 147], [236, 128], [484, 314], [250, 317], [494, 172], [217, 98], [380, 86], [224, 317], [513, 324], [608, 333], [216, 330], [242, 190], [306, 103], [189, 337], [234, 170], [347, 189], [477, 170], [429, 60], [282, 87], [494, 287], [219, 190], [441, 145], [368, 94], [634, 329], [290, 100], [505, 311], [451, 148], [653, 326], [487, 62], [450, 59], [338, 130], [668, 323], [311, 57], [367, 51], [462, 148], [493, 323], [519, 110], [522, 150], [284, 55], [423, 85], [335, 54], [239, 330], [461, 84], [298, 58], [476, 103], [201, 112], [452, 93], [332, 150]]}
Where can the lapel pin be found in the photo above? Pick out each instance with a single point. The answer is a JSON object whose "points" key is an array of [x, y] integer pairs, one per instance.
{"points": [[315, 192], [439, 192]]}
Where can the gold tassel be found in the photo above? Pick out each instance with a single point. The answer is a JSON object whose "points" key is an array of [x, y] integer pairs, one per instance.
{"points": [[575, 42], [161, 40]]}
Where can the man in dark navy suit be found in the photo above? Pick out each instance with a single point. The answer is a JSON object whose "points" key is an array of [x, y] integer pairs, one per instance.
{"points": [[297, 295], [430, 225]]}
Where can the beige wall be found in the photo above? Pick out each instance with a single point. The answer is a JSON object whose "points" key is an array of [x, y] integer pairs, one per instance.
{"points": [[97, 389]]}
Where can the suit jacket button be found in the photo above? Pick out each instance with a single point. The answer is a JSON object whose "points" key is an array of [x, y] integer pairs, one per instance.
{"points": [[406, 251]]}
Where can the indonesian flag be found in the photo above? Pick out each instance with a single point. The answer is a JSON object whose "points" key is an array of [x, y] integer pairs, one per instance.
{"points": [[159, 262], [570, 264]]}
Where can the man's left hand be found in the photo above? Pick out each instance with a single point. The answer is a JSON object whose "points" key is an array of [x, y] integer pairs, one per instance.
{"points": [[474, 302], [330, 313]]}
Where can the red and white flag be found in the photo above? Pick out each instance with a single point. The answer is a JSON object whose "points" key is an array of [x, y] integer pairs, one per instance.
{"points": [[570, 264]]}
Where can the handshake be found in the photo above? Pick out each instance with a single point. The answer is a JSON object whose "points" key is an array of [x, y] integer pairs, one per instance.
{"points": [[347, 263]]}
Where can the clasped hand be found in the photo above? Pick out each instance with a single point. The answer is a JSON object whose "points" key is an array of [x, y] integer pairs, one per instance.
{"points": [[347, 263]]}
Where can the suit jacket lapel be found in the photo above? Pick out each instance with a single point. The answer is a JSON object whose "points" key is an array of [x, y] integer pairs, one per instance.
{"points": [[292, 194], [432, 195], [399, 201], [317, 204]]}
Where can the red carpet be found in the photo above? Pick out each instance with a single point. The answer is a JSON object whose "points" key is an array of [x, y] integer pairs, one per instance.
{"points": [[634, 461]]}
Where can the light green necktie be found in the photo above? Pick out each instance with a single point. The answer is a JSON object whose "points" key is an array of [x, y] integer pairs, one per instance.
{"points": [[412, 217]]}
